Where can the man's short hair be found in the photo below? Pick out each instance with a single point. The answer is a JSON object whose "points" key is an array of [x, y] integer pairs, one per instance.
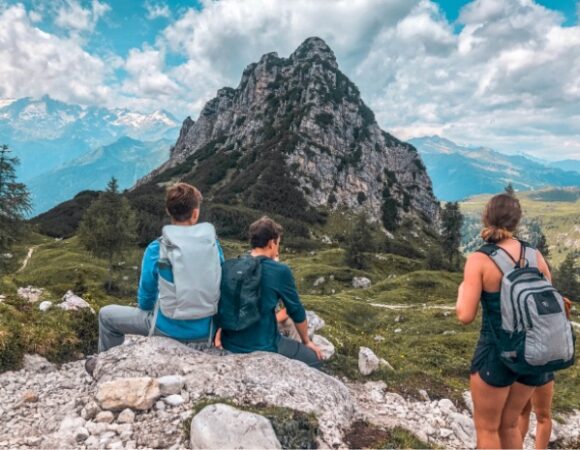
{"points": [[263, 231], [181, 199]]}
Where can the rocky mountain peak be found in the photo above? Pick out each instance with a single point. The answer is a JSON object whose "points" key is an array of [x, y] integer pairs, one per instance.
{"points": [[300, 123]]}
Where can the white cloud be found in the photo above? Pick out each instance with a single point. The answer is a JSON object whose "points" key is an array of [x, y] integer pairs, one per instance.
{"points": [[157, 10], [35, 63], [73, 17]]}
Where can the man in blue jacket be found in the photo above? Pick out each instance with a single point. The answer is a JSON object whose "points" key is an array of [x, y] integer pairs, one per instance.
{"points": [[182, 203]]}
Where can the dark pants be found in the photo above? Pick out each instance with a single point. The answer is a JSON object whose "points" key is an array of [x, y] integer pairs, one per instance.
{"points": [[296, 350]]}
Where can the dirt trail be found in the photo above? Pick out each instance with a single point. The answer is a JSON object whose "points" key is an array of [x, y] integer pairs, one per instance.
{"points": [[27, 259], [399, 307]]}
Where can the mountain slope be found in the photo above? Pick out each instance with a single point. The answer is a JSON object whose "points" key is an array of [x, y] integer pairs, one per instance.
{"points": [[126, 159], [45, 133], [295, 136], [459, 172]]}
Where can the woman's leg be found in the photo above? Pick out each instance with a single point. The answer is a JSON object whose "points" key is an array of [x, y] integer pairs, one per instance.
{"points": [[542, 401], [488, 403], [510, 434], [524, 420]]}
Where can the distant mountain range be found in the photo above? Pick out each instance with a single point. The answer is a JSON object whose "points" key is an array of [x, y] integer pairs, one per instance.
{"points": [[65, 148], [45, 133], [126, 159], [459, 172]]}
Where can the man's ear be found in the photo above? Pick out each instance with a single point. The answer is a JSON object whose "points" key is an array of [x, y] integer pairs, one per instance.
{"points": [[195, 215]]}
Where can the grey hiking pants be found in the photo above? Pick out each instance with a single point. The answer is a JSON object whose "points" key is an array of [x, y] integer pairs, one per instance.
{"points": [[115, 321], [297, 350]]}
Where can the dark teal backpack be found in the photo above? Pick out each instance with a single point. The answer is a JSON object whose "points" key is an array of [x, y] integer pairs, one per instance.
{"points": [[239, 305]]}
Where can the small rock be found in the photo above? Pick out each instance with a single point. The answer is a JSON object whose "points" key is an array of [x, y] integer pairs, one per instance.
{"points": [[222, 426], [37, 364], [367, 361], [81, 435], [72, 302], [315, 323], [449, 333], [326, 347], [319, 281], [361, 283], [174, 400], [445, 432], [170, 384], [30, 294], [398, 330], [92, 442], [126, 416], [398, 318], [326, 240], [423, 394], [71, 424], [90, 410], [104, 417], [29, 397], [135, 393], [45, 305], [160, 406], [379, 338], [447, 406]]}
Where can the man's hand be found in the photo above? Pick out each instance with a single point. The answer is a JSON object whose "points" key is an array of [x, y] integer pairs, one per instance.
{"points": [[312, 346], [218, 339]]}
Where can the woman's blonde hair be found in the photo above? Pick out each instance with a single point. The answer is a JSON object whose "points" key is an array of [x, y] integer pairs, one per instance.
{"points": [[501, 218]]}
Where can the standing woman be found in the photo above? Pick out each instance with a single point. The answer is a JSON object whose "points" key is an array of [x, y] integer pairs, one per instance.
{"points": [[499, 394]]}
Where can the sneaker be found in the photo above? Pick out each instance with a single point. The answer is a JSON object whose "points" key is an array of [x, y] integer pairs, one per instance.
{"points": [[90, 365]]}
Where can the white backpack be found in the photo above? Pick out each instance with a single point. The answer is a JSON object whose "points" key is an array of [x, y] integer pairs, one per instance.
{"points": [[189, 256]]}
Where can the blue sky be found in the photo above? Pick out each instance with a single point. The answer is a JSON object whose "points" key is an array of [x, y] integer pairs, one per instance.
{"points": [[501, 73]]}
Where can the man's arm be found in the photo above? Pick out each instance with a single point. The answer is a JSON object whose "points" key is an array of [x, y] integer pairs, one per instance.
{"points": [[220, 251], [295, 309], [148, 284]]}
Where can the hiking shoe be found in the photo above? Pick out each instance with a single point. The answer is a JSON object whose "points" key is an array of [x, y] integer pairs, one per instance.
{"points": [[90, 365]]}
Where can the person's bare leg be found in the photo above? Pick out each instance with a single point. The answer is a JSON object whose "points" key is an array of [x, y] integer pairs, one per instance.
{"points": [[509, 432], [542, 401], [488, 403], [524, 420]]}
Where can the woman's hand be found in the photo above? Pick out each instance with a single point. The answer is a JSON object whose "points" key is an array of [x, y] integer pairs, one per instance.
{"points": [[567, 307]]}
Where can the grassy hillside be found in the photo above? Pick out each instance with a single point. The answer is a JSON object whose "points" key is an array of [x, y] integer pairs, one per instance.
{"points": [[557, 211], [406, 316]]}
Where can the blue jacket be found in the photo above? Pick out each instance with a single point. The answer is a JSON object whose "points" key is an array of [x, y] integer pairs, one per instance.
{"points": [[147, 296]]}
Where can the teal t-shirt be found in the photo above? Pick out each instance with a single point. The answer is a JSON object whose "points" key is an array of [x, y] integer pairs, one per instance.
{"points": [[277, 284]]}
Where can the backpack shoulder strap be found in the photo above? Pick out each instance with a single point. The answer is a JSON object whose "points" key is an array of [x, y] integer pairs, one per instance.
{"points": [[529, 255], [500, 257]]}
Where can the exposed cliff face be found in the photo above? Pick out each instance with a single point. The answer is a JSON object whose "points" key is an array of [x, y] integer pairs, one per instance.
{"points": [[296, 130]]}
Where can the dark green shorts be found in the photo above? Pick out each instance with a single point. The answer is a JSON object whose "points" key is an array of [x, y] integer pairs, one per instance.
{"points": [[494, 372]]}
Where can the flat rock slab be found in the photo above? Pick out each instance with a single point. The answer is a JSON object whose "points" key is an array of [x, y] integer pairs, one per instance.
{"points": [[135, 393], [222, 426]]}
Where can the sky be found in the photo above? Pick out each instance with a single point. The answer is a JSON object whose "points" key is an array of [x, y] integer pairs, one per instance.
{"points": [[499, 73]]}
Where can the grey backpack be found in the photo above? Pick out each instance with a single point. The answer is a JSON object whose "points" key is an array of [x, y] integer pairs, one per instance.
{"points": [[189, 273], [535, 334]]}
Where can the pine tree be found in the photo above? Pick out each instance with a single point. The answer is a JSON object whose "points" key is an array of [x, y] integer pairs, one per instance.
{"points": [[451, 223], [542, 245], [359, 241], [14, 200], [566, 277], [108, 227], [509, 189]]}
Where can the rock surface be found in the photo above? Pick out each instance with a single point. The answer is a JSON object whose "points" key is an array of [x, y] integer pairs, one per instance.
{"points": [[136, 393], [222, 426], [368, 362], [72, 302], [30, 293], [361, 283]]}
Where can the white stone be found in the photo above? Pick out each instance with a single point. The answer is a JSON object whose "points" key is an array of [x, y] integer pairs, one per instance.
{"points": [[30, 294], [160, 405], [398, 330], [468, 401], [171, 384], [174, 400], [135, 393], [81, 435], [384, 363], [221, 426], [72, 302], [126, 416], [70, 424], [45, 305], [326, 347], [104, 417], [38, 364], [463, 428], [367, 361], [361, 283], [315, 323], [447, 406], [423, 394], [90, 410], [379, 338], [319, 281], [445, 432]]}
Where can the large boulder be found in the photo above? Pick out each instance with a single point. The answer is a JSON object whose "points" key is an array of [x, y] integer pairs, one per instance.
{"points": [[135, 393], [256, 378], [222, 426], [72, 302]]}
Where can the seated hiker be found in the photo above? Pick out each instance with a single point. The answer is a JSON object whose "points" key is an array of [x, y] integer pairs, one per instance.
{"points": [[251, 288], [180, 277]]}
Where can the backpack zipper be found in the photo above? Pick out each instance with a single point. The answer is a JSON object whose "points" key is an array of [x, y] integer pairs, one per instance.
{"points": [[529, 292]]}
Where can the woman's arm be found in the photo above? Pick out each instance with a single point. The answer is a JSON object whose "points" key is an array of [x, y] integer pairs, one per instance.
{"points": [[469, 293]]}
